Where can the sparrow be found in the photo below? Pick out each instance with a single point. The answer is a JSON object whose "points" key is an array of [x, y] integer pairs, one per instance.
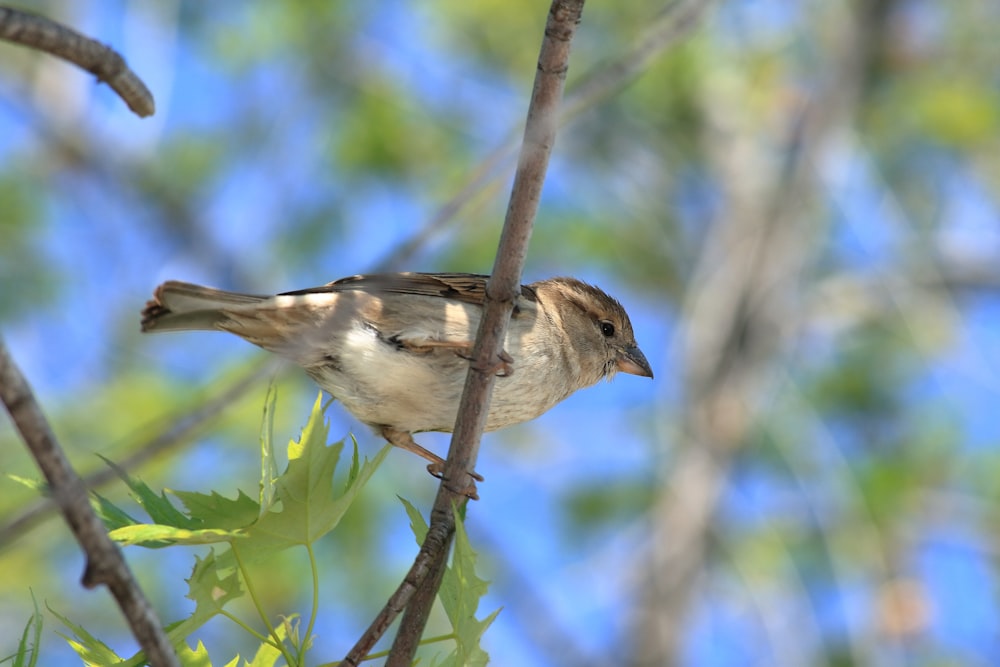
{"points": [[393, 348]]}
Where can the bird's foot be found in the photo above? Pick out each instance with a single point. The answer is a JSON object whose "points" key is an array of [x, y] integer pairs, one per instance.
{"points": [[470, 491], [404, 440], [502, 366]]}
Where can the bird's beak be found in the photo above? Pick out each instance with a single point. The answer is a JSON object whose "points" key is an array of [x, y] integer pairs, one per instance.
{"points": [[633, 361]]}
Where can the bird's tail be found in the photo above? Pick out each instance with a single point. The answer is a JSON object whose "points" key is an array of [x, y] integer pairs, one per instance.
{"points": [[179, 306]]}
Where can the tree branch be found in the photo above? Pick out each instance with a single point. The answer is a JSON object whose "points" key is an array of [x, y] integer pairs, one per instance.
{"points": [[741, 315], [182, 426], [99, 59], [501, 292], [105, 564], [672, 23], [416, 593]]}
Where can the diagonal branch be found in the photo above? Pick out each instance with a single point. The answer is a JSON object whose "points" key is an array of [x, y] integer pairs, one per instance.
{"points": [[182, 426], [105, 564], [673, 22], [99, 59], [501, 292], [416, 593]]}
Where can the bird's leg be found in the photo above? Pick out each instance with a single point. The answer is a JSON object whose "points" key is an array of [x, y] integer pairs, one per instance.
{"points": [[404, 440]]}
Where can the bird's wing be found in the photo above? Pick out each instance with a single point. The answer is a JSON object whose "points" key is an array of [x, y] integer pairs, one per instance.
{"points": [[463, 287], [443, 320]]}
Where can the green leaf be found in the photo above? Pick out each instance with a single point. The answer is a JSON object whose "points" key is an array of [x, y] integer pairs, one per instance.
{"points": [[159, 508], [27, 655], [91, 650], [268, 464], [157, 535], [304, 503], [355, 470], [196, 657], [216, 511], [268, 654], [112, 515], [417, 523], [460, 593], [33, 484], [307, 503], [211, 588]]}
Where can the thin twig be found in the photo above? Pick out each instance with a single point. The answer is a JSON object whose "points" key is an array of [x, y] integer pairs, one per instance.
{"points": [[502, 290], [105, 563], [489, 170], [416, 593], [674, 22], [99, 59]]}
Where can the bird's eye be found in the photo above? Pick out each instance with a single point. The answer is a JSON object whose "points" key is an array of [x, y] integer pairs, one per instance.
{"points": [[607, 329]]}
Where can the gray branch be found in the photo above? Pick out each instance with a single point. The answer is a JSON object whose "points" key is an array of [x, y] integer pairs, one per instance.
{"points": [[416, 593], [105, 563], [102, 61]]}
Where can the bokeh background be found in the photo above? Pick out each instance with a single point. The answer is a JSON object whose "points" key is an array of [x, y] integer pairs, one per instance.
{"points": [[797, 203]]}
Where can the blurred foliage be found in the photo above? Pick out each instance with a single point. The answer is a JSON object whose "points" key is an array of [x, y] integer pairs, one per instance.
{"points": [[20, 219], [299, 142], [293, 509]]}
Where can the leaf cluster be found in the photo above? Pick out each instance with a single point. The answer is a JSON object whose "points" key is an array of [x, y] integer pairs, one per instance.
{"points": [[294, 508]]}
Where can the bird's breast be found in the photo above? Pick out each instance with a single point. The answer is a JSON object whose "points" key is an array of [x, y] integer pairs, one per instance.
{"points": [[384, 383]]}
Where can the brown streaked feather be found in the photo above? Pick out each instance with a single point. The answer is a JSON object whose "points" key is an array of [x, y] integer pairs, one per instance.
{"points": [[392, 347], [180, 306], [465, 287]]}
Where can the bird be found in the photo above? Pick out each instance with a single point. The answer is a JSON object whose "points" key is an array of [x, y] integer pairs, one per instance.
{"points": [[394, 348]]}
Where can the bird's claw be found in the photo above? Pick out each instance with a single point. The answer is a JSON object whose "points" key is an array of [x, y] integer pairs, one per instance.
{"points": [[502, 366], [437, 470]]}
